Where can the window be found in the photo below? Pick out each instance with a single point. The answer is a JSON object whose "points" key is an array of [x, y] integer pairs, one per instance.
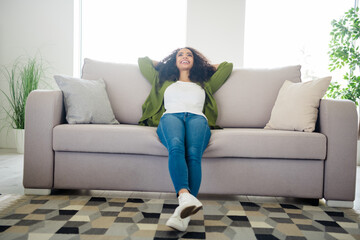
{"points": [[282, 32], [122, 31], [277, 32]]}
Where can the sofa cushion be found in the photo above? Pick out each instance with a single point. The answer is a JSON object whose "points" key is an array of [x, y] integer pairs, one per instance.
{"points": [[132, 139], [123, 138], [248, 96], [126, 87], [296, 107], [260, 143]]}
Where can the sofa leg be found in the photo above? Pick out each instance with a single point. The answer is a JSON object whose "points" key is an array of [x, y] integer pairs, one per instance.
{"points": [[36, 191], [340, 204]]}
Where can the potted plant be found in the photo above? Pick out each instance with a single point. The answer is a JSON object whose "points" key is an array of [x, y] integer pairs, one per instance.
{"points": [[22, 77], [344, 53]]}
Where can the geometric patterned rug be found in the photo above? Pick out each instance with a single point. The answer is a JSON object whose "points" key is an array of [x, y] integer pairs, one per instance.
{"points": [[86, 217]]}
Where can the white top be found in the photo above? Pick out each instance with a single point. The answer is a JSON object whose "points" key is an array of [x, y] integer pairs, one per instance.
{"points": [[184, 97]]}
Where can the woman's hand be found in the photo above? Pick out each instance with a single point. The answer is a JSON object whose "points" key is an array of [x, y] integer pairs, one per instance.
{"points": [[155, 63], [215, 66]]}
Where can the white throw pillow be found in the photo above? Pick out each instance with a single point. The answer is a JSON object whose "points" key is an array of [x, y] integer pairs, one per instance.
{"points": [[296, 106], [86, 101]]}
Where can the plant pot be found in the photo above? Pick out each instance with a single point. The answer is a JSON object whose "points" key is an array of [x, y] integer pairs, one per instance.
{"points": [[19, 140]]}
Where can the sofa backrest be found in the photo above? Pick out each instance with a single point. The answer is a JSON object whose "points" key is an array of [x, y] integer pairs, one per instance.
{"points": [[245, 100], [126, 87], [248, 96]]}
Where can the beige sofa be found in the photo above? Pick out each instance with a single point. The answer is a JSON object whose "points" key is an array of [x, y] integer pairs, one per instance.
{"points": [[242, 158]]}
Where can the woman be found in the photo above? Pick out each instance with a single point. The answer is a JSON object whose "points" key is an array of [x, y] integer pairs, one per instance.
{"points": [[182, 105]]}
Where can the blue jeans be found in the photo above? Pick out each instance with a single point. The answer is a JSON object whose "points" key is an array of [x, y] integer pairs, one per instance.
{"points": [[186, 137]]}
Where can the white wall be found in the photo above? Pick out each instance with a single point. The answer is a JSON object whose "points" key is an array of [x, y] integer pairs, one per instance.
{"points": [[216, 29], [36, 27]]}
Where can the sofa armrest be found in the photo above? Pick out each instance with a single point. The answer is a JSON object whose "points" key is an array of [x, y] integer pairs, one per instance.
{"points": [[44, 110], [339, 122]]}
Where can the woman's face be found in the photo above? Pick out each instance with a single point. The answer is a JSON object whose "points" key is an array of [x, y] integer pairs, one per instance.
{"points": [[184, 59]]}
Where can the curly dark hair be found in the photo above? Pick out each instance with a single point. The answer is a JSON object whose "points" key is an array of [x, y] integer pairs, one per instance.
{"points": [[201, 71]]}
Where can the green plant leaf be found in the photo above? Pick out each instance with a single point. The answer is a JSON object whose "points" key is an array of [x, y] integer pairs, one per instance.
{"points": [[23, 77], [343, 53]]}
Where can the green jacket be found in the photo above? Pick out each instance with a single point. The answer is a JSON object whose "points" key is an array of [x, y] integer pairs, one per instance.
{"points": [[153, 108]]}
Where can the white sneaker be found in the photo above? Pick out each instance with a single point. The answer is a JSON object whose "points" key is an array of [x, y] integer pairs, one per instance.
{"points": [[178, 223], [188, 205]]}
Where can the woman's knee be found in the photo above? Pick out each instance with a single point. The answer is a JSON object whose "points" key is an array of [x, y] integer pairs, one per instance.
{"points": [[176, 144], [194, 153]]}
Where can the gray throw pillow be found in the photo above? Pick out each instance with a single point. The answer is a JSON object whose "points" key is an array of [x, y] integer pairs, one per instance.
{"points": [[86, 101]]}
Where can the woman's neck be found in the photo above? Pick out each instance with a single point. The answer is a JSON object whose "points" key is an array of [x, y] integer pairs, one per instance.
{"points": [[184, 76]]}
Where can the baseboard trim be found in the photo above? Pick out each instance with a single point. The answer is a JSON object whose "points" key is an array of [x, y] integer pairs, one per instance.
{"points": [[340, 204], [36, 191]]}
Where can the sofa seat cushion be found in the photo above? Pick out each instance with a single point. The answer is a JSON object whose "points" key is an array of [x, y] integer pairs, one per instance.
{"points": [[261, 143], [230, 142], [123, 138]]}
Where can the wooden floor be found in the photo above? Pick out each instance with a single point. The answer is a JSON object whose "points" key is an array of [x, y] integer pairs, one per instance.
{"points": [[11, 172]]}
